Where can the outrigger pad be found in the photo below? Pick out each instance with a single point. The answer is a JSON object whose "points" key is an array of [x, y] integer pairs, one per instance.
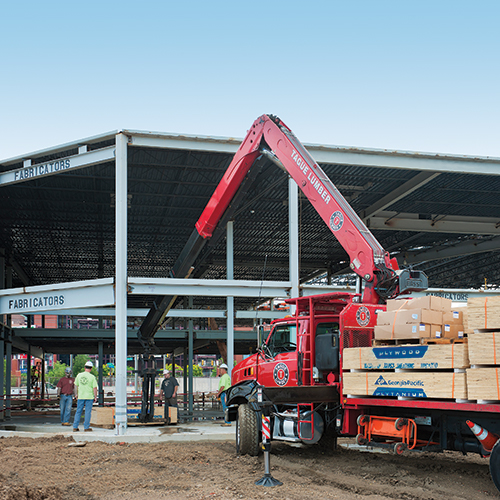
{"points": [[268, 480]]}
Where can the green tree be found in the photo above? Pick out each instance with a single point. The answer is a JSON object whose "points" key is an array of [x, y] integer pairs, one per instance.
{"points": [[79, 365], [56, 373]]}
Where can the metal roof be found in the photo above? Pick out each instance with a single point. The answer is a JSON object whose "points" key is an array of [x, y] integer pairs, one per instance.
{"points": [[61, 228]]}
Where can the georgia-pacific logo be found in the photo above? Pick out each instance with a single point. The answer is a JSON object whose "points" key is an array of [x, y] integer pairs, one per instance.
{"points": [[280, 374]]}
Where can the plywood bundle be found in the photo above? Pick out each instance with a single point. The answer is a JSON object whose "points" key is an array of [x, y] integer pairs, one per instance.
{"points": [[483, 312], [484, 348], [103, 417], [407, 357], [483, 384], [448, 385]]}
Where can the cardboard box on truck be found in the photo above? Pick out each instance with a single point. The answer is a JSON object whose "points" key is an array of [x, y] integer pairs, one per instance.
{"points": [[427, 302], [453, 317], [410, 316], [406, 331], [452, 331]]}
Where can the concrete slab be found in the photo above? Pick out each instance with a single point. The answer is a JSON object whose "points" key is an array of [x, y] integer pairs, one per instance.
{"points": [[49, 426]]}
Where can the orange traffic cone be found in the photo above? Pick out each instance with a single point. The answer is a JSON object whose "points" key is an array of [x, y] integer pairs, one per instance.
{"points": [[487, 438]]}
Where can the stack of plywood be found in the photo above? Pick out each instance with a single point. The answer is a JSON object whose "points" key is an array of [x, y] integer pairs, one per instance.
{"points": [[427, 317], [483, 377], [483, 312], [103, 417], [407, 371]]}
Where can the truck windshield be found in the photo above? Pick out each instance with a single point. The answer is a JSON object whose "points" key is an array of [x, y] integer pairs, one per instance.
{"points": [[283, 338]]}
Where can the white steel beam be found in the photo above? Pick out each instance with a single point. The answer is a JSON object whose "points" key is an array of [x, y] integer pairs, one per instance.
{"points": [[293, 237], [230, 299], [402, 191], [339, 155], [184, 142], [208, 288], [396, 221], [30, 172], [121, 285], [468, 247], [61, 296]]}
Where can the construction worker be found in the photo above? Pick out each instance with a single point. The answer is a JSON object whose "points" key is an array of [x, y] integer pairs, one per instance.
{"points": [[86, 392], [65, 391], [168, 389], [224, 384]]}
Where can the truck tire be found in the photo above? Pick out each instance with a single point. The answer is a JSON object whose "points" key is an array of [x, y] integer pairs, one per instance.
{"points": [[495, 464], [247, 431]]}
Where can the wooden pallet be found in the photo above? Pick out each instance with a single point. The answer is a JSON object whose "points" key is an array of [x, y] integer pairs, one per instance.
{"points": [[418, 341], [103, 426], [156, 421]]}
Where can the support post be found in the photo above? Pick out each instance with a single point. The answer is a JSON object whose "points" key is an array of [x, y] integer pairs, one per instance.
{"points": [[8, 352], [190, 357], [121, 285], [230, 300], [293, 238], [2, 356], [3, 335], [267, 479], [100, 352], [28, 378], [136, 374], [185, 379]]}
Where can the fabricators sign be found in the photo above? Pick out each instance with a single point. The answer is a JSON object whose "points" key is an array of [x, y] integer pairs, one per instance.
{"points": [[51, 300]]}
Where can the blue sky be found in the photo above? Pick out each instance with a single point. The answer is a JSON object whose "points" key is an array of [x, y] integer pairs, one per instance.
{"points": [[408, 75]]}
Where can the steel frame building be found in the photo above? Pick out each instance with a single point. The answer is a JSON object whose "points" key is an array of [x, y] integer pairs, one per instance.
{"points": [[93, 228]]}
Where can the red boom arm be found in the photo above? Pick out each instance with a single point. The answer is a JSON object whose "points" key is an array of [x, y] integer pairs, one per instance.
{"points": [[270, 136]]}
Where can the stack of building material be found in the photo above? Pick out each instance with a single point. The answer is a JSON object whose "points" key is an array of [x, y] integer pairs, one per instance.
{"points": [[483, 312], [407, 371], [103, 417], [483, 377], [427, 317]]}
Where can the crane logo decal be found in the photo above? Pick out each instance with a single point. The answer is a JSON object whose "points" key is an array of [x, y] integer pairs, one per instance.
{"points": [[363, 316], [336, 220], [280, 374]]}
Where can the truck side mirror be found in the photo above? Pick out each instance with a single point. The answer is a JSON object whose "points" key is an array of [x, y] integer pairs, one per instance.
{"points": [[260, 335]]}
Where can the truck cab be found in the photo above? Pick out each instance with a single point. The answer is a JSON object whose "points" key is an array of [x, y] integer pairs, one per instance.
{"points": [[303, 352]]}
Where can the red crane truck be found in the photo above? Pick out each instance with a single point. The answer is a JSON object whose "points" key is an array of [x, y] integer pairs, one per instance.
{"points": [[296, 375]]}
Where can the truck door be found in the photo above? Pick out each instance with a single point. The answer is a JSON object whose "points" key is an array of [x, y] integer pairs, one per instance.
{"points": [[326, 350], [278, 364]]}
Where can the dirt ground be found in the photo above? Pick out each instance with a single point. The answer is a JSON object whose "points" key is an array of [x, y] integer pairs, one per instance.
{"points": [[47, 468]]}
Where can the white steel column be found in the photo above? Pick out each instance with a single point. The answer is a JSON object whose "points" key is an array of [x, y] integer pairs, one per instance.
{"points": [[121, 285], [3, 336], [230, 300], [191, 363], [293, 237], [8, 353]]}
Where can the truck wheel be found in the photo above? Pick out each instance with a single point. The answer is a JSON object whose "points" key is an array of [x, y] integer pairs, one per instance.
{"points": [[495, 464], [362, 420], [399, 448], [400, 423], [247, 432], [361, 440]]}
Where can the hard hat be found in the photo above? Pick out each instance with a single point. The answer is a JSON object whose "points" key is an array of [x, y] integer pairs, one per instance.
{"points": [[89, 364], [68, 370], [223, 366]]}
